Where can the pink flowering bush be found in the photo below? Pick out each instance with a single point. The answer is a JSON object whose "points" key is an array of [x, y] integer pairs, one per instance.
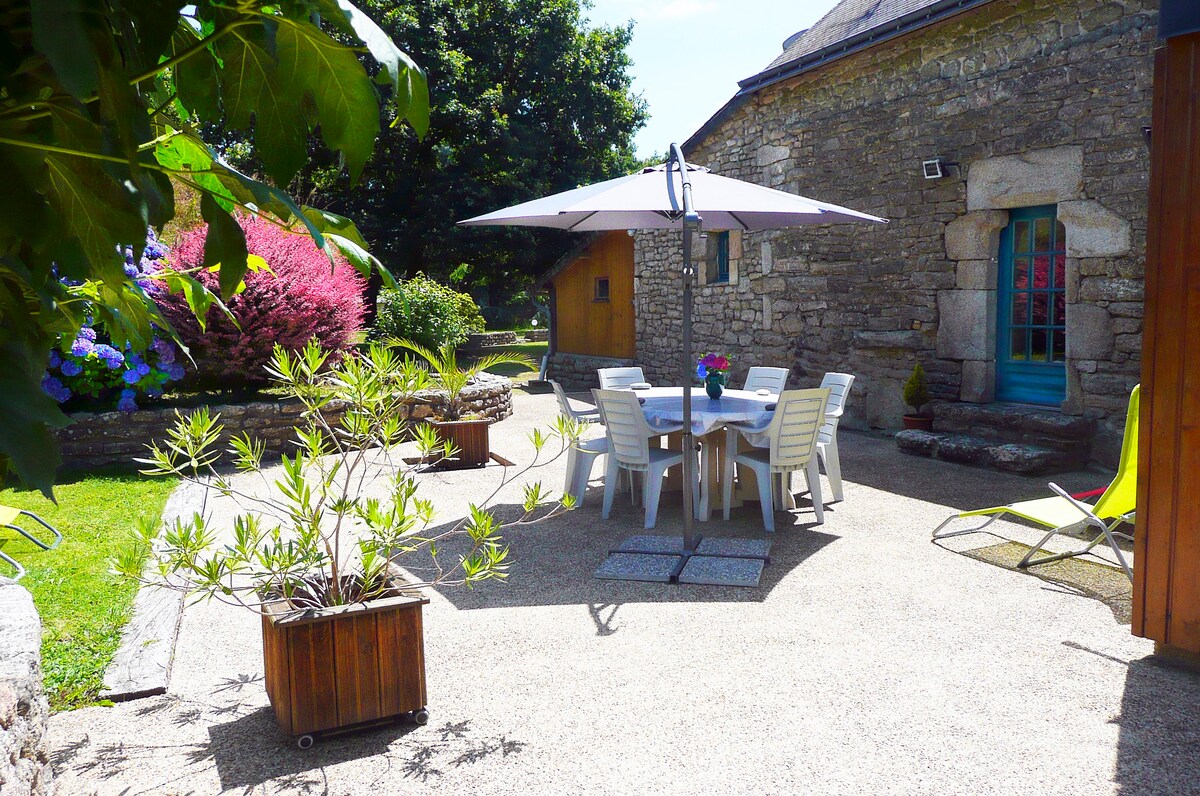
{"points": [[299, 299]]}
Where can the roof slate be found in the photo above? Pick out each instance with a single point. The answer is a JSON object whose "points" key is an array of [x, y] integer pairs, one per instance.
{"points": [[848, 18]]}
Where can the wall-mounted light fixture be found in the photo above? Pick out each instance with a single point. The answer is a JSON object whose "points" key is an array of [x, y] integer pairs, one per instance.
{"points": [[936, 168], [1146, 132]]}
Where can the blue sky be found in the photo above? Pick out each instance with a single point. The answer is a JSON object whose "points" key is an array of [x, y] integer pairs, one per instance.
{"points": [[727, 40]]}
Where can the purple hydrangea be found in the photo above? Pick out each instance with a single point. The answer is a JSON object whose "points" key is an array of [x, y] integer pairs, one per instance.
{"points": [[87, 333], [55, 388], [132, 270], [82, 347], [174, 371], [165, 351], [55, 359], [111, 356], [71, 368], [127, 402]]}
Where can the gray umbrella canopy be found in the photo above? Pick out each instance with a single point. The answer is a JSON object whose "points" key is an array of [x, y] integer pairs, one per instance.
{"points": [[674, 195], [653, 199]]}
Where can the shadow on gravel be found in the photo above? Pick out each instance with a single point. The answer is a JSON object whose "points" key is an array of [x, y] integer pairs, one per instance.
{"points": [[1158, 745], [553, 562]]}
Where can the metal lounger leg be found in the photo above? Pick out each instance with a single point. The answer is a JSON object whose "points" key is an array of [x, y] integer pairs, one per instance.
{"points": [[1105, 534], [57, 536], [14, 564], [937, 534]]}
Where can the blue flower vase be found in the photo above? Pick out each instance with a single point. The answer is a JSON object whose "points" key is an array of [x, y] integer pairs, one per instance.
{"points": [[714, 384]]}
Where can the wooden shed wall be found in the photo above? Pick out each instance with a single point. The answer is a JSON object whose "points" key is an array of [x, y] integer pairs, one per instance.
{"points": [[587, 326]]}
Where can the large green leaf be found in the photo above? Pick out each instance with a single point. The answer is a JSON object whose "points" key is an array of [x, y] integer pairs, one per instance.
{"points": [[225, 244], [195, 76], [331, 73], [29, 414], [60, 32], [409, 84]]}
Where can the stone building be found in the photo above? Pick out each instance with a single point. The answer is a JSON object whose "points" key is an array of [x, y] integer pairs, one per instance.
{"points": [[1006, 140]]}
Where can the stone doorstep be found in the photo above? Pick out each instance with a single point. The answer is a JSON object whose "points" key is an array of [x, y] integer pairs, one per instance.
{"points": [[1015, 423], [1013, 457]]}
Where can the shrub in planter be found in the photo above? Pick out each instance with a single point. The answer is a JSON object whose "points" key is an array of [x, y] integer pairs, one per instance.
{"points": [[427, 313], [296, 298], [89, 368], [916, 395], [314, 556]]}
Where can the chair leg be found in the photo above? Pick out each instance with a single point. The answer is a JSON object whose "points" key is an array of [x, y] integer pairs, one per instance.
{"points": [[765, 498], [939, 534], [570, 487], [833, 467], [1104, 535], [587, 462], [633, 488], [654, 481], [727, 476], [612, 473], [813, 475]]}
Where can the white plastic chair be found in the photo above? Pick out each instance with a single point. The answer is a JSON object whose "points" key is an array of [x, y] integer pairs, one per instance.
{"points": [[564, 404], [839, 385], [793, 442], [773, 379], [582, 455], [629, 449], [620, 378]]}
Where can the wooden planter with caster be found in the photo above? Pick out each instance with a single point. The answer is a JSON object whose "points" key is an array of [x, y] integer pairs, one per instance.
{"points": [[334, 668], [471, 439]]}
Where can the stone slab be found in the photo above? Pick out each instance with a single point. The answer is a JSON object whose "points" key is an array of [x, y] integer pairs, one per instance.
{"points": [[737, 548], [915, 441], [1089, 332], [142, 664], [1036, 177], [1093, 230], [652, 543], [635, 566], [975, 236], [966, 320], [711, 571]]}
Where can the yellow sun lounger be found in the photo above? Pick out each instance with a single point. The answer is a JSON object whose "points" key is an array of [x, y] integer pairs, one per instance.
{"points": [[8, 519], [1063, 513]]}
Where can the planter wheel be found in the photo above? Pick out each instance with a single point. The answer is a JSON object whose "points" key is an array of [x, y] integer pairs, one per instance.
{"points": [[305, 741], [420, 717]]}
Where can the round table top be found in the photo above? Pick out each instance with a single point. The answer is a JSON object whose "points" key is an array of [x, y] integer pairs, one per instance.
{"points": [[663, 407]]}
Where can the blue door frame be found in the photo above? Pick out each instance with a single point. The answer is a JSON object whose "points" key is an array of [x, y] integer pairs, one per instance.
{"points": [[1031, 309]]}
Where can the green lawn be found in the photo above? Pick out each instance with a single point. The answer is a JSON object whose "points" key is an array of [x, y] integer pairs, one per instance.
{"points": [[83, 606], [534, 351]]}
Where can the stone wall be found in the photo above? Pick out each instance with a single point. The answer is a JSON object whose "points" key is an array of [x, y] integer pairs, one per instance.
{"points": [[577, 372], [484, 339], [1046, 98], [24, 713], [96, 439]]}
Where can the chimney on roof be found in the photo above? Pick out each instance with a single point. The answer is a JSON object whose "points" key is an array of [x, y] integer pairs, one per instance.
{"points": [[790, 40]]}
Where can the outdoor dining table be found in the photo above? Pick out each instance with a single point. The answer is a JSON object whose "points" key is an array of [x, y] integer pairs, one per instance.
{"points": [[663, 407]]}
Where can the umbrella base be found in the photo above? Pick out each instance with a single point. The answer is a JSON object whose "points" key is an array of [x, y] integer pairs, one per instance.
{"points": [[663, 559]]}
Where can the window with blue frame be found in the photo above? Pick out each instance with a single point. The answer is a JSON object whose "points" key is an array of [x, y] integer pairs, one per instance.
{"points": [[717, 271]]}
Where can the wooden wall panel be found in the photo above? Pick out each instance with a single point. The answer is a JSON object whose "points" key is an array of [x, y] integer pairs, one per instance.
{"points": [[1166, 604], [585, 326]]}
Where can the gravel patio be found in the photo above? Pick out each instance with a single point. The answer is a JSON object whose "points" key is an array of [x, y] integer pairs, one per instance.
{"points": [[869, 661]]}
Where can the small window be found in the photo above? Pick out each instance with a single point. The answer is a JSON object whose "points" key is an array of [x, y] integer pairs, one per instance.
{"points": [[601, 289], [718, 258]]}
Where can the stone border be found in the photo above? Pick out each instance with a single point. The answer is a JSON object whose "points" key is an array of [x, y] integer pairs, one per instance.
{"points": [[142, 664], [24, 711]]}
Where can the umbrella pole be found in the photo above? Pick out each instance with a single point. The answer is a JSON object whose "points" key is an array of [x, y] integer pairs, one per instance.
{"points": [[691, 222]]}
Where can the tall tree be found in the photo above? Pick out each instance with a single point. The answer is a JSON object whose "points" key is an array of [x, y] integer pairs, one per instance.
{"points": [[97, 105], [526, 99]]}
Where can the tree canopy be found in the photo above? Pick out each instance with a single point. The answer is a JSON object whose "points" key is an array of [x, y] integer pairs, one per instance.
{"points": [[527, 99], [99, 109]]}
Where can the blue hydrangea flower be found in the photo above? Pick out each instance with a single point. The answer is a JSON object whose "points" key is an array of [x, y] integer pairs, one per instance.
{"points": [[142, 369], [174, 371], [126, 403], [55, 359], [111, 356], [87, 333], [71, 368], [131, 270], [55, 388], [131, 377], [82, 347], [701, 371]]}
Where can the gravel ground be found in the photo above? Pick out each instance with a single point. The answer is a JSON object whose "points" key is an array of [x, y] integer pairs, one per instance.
{"points": [[869, 661]]}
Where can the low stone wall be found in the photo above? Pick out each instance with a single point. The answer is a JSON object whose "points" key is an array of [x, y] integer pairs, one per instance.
{"points": [[24, 713], [577, 372], [485, 339], [96, 439], [537, 335]]}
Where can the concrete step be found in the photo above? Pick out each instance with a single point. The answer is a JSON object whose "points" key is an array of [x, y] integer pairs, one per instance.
{"points": [[1017, 423], [1014, 457]]}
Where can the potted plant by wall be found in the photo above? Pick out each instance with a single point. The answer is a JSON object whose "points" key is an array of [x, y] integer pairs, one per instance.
{"points": [[916, 395], [454, 425], [327, 546]]}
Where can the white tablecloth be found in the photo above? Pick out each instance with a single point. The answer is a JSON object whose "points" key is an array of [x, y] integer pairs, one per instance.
{"points": [[663, 407]]}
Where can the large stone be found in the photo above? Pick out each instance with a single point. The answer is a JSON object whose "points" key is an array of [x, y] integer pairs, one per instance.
{"points": [[904, 338], [975, 236], [966, 324], [978, 381], [1089, 332], [1093, 230], [920, 443], [1037, 177], [768, 154], [962, 448], [976, 274], [1029, 459]]}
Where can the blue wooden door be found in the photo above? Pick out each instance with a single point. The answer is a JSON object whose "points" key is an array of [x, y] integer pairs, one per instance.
{"points": [[1031, 313]]}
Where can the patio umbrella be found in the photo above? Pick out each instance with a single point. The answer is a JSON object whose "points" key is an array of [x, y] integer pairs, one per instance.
{"points": [[674, 195]]}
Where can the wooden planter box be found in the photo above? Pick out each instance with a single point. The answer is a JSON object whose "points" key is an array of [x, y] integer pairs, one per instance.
{"points": [[343, 666], [471, 439]]}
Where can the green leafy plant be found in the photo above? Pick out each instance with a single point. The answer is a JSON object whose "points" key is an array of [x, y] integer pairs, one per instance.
{"points": [[916, 389], [100, 110], [454, 378], [430, 314], [314, 539]]}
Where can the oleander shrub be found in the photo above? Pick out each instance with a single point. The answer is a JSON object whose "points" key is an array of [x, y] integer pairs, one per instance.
{"points": [[89, 371], [425, 312], [299, 296]]}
